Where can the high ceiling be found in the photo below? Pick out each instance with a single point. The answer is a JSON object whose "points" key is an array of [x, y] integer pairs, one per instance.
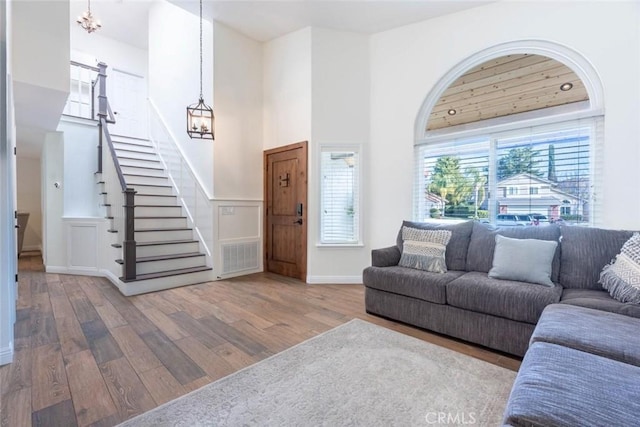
{"points": [[127, 20], [503, 86]]}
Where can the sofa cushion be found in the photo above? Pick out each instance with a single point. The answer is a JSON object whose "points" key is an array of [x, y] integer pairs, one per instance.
{"points": [[599, 300], [584, 251], [483, 242], [419, 284], [593, 331], [456, 254], [560, 386], [622, 277], [524, 260], [513, 300], [424, 249]]}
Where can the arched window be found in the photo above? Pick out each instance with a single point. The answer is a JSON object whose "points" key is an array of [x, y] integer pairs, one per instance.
{"points": [[512, 136]]}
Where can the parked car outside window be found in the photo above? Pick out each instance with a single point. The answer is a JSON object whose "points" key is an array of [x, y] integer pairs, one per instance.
{"points": [[539, 219], [513, 220]]}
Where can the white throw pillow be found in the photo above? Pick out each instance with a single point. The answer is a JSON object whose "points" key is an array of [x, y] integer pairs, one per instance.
{"points": [[523, 260], [424, 249]]}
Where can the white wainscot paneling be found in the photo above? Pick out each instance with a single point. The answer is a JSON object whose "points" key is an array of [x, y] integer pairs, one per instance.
{"points": [[82, 245], [239, 238]]}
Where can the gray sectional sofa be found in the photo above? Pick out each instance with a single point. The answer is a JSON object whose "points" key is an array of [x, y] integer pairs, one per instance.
{"points": [[582, 361], [581, 369], [500, 314]]}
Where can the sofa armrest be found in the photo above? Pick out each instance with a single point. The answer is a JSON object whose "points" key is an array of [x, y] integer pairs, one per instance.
{"points": [[385, 257]]}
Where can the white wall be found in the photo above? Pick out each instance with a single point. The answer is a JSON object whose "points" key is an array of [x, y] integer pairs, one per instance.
{"points": [[53, 234], [174, 81], [41, 43], [81, 158], [8, 267], [407, 62], [93, 48], [340, 115], [287, 89], [29, 199], [237, 171]]}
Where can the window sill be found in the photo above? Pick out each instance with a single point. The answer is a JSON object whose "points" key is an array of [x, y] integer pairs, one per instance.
{"points": [[340, 245]]}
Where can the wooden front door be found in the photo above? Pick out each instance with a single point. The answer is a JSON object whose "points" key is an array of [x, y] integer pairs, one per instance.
{"points": [[285, 181]]}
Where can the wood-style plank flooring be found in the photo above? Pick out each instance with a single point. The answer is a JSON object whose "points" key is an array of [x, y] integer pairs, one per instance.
{"points": [[85, 355]]}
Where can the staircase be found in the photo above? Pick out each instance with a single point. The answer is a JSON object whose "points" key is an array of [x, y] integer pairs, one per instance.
{"points": [[167, 255]]}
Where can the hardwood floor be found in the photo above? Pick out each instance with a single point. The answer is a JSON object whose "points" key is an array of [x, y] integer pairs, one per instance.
{"points": [[88, 356]]}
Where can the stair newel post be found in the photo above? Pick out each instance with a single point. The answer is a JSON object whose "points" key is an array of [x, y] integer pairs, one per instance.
{"points": [[102, 107], [129, 244]]}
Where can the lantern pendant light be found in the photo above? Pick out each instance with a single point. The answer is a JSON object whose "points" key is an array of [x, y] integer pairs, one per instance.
{"points": [[200, 118]]}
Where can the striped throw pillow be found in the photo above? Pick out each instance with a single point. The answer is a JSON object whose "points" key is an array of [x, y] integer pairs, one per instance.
{"points": [[424, 249], [622, 277]]}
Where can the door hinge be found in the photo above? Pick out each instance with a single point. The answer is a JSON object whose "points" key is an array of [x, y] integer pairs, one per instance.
{"points": [[15, 214], [16, 277], [14, 151]]}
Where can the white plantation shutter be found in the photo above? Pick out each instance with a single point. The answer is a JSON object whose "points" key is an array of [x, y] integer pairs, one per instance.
{"points": [[339, 196], [561, 181]]}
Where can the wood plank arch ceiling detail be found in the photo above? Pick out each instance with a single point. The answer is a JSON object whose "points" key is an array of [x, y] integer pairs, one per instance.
{"points": [[503, 86]]}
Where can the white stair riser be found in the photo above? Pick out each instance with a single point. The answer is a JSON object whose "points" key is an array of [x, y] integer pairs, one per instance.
{"points": [[168, 249], [158, 211], [150, 180], [169, 264], [133, 147], [132, 170], [155, 200], [136, 155], [128, 140], [150, 189], [160, 283], [143, 223], [142, 163], [163, 235]]}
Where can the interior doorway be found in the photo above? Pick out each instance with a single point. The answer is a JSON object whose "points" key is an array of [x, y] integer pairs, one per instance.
{"points": [[285, 195]]}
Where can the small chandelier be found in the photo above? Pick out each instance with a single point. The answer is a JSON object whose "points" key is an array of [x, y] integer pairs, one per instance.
{"points": [[87, 21], [200, 118]]}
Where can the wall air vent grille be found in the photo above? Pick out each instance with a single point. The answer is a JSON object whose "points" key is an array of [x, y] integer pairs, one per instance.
{"points": [[239, 257]]}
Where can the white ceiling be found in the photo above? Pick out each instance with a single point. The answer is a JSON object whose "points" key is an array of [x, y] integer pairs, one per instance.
{"points": [[127, 20]]}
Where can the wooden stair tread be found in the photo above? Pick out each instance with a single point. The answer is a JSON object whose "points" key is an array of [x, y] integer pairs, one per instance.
{"points": [[159, 217], [157, 206], [152, 185], [144, 176], [155, 195], [164, 257], [165, 242], [134, 158], [168, 273], [163, 229]]}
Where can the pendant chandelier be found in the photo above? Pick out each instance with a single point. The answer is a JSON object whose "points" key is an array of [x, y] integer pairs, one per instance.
{"points": [[200, 118], [87, 21]]}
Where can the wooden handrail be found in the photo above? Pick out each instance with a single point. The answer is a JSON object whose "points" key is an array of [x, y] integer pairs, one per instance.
{"points": [[129, 242], [85, 66]]}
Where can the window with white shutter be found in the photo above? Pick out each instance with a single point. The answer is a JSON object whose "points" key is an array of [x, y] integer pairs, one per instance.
{"points": [[340, 195]]}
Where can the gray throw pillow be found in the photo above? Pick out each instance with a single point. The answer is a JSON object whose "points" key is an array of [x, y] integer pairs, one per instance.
{"points": [[424, 249], [622, 277], [523, 260]]}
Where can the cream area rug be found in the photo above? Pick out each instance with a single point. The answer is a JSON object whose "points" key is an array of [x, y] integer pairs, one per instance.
{"points": [[357, 374]]}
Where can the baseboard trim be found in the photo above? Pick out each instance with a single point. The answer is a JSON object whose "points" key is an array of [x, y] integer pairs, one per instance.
{"points": [[334, 280], [90, 271], [6, 354]]}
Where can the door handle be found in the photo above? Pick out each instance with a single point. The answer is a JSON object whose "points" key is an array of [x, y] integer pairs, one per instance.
{"points": [[299, 221]]}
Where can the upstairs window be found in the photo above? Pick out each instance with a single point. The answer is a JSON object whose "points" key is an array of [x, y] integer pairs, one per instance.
{"points": [[340, 195]]}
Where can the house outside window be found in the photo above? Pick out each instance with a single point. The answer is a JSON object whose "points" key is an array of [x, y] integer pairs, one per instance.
{"points": [[545, 170], [340, 195]]}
